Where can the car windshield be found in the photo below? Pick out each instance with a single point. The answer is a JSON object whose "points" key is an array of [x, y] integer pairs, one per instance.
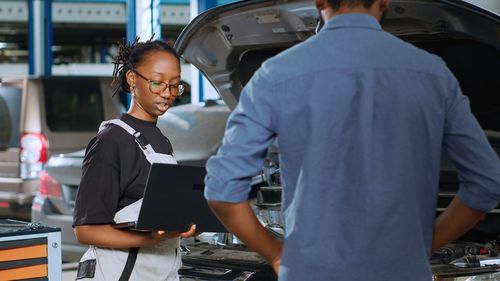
{"points": [[73, 104]]}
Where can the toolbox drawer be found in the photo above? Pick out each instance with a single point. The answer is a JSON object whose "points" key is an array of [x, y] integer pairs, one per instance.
{"points": [[29, 251]]}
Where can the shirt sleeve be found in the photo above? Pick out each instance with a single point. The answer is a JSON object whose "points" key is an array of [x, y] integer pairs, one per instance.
{"points": [[98, 193], [466, 143], [248, 134]]}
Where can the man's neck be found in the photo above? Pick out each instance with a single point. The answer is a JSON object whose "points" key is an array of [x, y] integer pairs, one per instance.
{"points": [[329, 13]]}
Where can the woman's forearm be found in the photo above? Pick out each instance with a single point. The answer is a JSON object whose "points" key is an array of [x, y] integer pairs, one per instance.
{"points": [[108, 237]]}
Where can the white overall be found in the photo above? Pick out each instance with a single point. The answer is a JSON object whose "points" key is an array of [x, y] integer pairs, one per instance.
{"points": [[157, 262]]}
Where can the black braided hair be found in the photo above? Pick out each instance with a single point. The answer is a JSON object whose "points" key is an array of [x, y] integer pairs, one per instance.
{"points": [[132, 55]]}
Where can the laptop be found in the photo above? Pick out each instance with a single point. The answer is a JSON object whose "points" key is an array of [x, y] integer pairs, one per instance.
{"points": [[173, 200]]}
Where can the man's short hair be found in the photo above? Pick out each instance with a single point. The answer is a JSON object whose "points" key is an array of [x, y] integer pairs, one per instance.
{"points": [[337, 3]]}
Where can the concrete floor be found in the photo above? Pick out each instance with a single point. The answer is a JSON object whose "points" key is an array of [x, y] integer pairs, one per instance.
{"points": [[69, 271]]}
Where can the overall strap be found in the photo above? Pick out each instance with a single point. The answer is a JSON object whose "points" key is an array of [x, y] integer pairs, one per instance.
{"points": [[140, 139], [129, 265], [143, 145]]}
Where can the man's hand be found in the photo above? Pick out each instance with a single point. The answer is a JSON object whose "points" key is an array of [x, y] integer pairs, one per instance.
{"points": [[453, 222]]}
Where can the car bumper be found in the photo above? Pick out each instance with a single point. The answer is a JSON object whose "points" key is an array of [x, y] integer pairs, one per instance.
{"points": [[72, 250], [16, 196]]}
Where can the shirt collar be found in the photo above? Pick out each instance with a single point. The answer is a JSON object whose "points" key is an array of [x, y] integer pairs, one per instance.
{"points": [[353, 20], [128, 117]]}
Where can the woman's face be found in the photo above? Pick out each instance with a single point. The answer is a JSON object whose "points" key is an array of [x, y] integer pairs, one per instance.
{"points": [[158, 67]]}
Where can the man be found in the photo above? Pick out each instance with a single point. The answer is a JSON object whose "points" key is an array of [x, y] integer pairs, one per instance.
{"points": [[361, 118]]}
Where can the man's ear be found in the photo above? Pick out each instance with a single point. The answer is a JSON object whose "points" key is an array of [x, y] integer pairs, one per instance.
{"points": [[320, 4], [384, 4]]}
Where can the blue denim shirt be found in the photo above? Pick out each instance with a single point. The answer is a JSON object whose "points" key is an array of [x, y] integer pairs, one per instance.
{"points": [[361, 118]]}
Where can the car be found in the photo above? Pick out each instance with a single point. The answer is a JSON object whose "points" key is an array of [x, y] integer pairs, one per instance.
{"points": [[42, 116], [228, 43], [195, 132]]}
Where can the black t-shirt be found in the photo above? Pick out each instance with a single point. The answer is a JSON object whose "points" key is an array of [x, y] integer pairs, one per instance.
{"points": [[115, 171]]}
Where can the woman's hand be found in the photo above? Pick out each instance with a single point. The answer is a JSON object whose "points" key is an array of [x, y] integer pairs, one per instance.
{"points": [[276, 264], [160, 235], [190, 233]]}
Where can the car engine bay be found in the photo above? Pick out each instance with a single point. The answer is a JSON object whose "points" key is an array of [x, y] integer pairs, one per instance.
{"points": [[475, 256]]}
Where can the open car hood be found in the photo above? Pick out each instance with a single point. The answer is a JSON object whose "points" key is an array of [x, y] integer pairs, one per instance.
{"points": [[228, 43]]}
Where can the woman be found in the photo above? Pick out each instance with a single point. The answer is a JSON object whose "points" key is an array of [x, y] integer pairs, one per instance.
{"points": [[115, 170]]}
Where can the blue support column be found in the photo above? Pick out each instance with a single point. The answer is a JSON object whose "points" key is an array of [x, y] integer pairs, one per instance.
{"points": [[48, 37], [131, 32], [31, 39], [204, 5], [131, 20]]}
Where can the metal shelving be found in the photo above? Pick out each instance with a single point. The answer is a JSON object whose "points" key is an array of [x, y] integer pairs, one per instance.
{"points": [[82, 32], [92, 12]]}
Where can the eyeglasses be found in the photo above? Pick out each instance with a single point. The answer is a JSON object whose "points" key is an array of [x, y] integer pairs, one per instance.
{"points": [[158, 87]]}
